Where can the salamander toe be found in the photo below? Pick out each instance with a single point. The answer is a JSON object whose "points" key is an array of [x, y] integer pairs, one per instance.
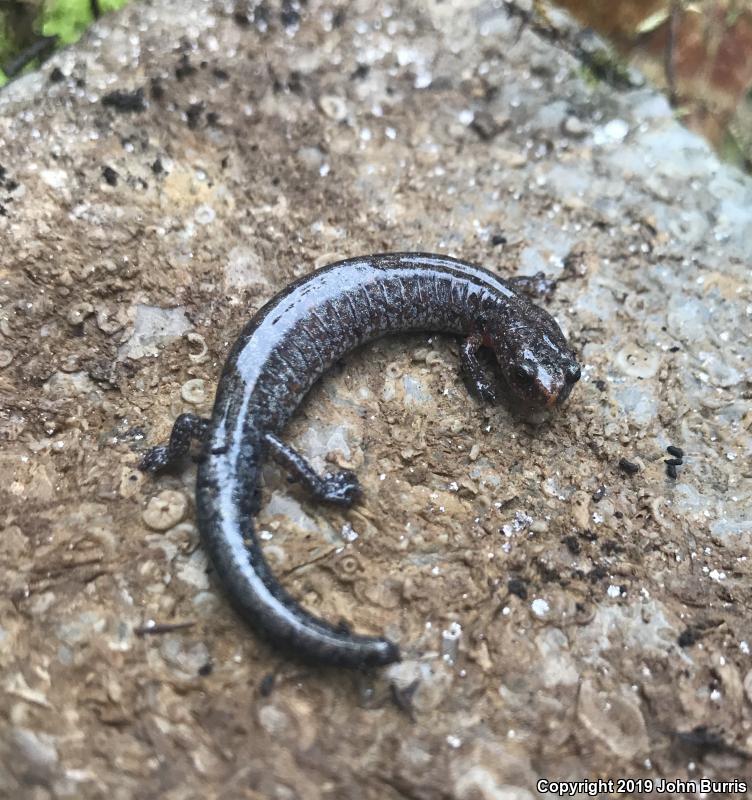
{"points": [[342, 488]]}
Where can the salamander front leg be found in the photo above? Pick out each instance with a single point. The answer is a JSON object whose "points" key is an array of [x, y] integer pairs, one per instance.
{"points": [[186, 428], [478, 378], [536, 287], [341, 488]]}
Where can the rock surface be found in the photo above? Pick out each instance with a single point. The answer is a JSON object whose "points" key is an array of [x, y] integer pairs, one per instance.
{"points": [[603, 618]]}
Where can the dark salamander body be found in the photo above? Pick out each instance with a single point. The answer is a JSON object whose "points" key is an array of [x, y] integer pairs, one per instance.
{"points": [[287, 346]]}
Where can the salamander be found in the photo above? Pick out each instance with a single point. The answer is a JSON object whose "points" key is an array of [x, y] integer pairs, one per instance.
{"points": [[284, 350]]}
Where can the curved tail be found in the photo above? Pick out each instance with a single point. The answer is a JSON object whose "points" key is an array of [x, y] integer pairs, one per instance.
{"points": [[225, 514]]}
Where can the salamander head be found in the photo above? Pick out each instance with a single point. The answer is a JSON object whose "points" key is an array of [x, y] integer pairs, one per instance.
{"points": [[537, 363]]}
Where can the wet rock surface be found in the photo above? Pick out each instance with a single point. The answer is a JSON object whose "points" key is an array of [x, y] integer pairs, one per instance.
{"points": [[593, 620]]}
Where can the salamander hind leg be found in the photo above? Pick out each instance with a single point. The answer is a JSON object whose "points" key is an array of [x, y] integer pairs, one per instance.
{"points": [[341, 488], [187, 427], [481, 382]]}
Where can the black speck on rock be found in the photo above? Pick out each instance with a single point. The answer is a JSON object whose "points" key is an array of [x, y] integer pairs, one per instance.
{"points": [[485, 126], [157, 167], [573, 544], [295, 82], [266, 686], [109, 174], [548, 573], [628, 466], [184, 68], [261, 16], [497, 239], [220, 74], [125, 102], [688, 637], [193, 114], [701, 740], [289, 15], [157, 90], [516, 586], [56, 76]]}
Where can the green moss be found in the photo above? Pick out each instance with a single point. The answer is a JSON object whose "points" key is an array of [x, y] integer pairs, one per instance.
{"points": [[65, 19]]}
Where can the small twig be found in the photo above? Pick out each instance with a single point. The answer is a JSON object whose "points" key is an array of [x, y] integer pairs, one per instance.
{"points": [[528, 19], [292, 570], [162, 627], [50, 573], [599, 62], [668, 55], [41, 48]]}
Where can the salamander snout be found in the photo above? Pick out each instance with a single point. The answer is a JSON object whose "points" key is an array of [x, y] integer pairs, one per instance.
{"points": [[534, 356], [544, 379], [563, 388], [572, 373]]}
